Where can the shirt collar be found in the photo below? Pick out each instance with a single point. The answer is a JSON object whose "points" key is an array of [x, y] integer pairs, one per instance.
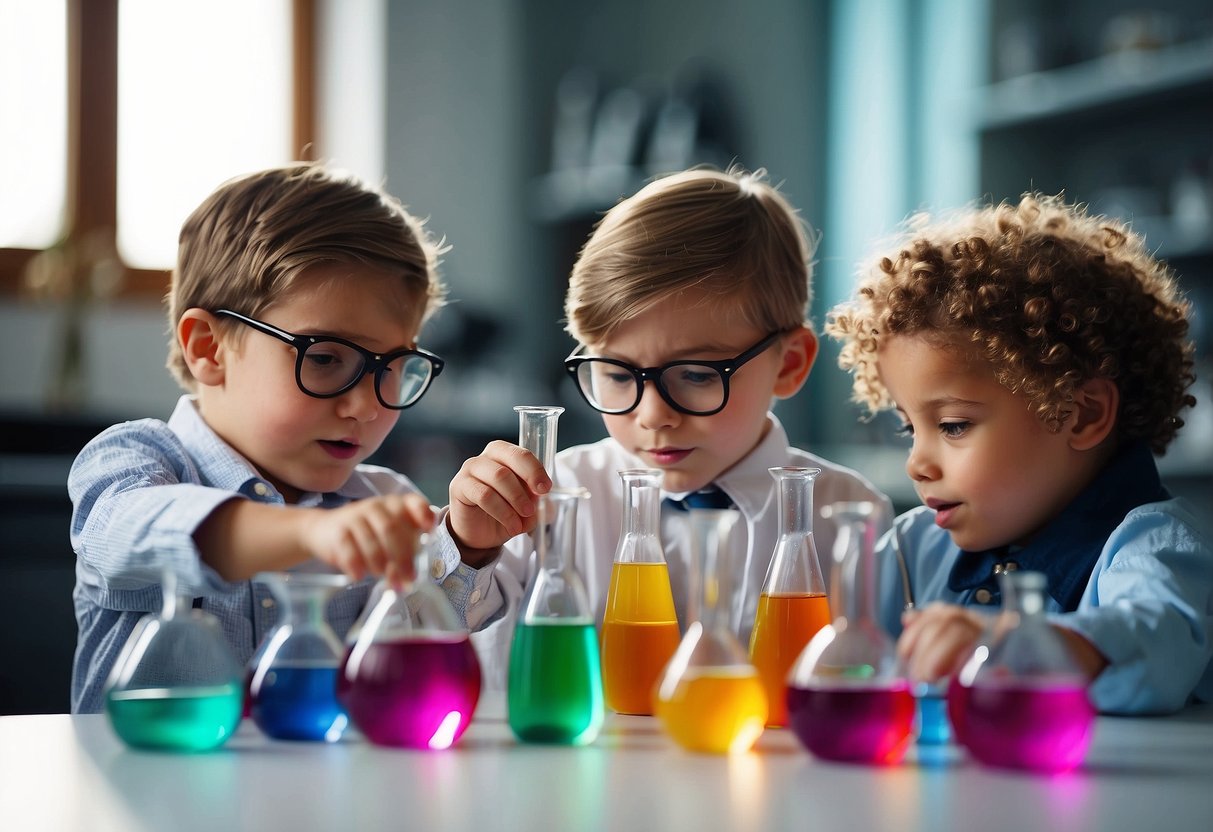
{"points": [[1068, 547]]}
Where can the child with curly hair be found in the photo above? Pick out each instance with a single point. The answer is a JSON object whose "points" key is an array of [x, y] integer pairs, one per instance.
{"points": [[1037, 355]]}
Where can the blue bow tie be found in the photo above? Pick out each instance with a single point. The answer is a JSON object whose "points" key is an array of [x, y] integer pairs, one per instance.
{"points": [[710, 497]]}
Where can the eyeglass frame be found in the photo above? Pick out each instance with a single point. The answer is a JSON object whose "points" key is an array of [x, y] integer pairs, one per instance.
{"points": [[372, 362], [725, 368]]}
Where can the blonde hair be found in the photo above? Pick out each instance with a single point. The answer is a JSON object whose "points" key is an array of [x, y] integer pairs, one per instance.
{"points": [[1049, 296], [729, 233], [245, 245]]}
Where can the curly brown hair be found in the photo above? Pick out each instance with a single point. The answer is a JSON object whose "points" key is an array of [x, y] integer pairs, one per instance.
{"points": [[1049, 296]]}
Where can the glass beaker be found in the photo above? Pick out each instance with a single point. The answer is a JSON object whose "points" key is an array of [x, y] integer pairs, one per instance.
{"points": [[639, 628], [410, 676], [793, 604], [848, 699], [555, 678], [176, 684], [710, 697], [537, 432], [293, 685], [1020, 701]]}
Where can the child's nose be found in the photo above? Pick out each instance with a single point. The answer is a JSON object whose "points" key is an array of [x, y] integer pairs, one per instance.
{"points": [[360, 401], [654, 412], [919, 464]]}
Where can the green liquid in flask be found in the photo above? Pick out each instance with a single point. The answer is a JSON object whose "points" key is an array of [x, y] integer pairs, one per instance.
{"points": [[178, 719], [555, 683]]}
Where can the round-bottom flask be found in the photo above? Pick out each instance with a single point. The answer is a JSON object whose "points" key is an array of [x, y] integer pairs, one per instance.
{"points": [[1020, 700], [410, 677], [555, 679], [710, 697], [176, 684], [293, 684], [847, 698]]}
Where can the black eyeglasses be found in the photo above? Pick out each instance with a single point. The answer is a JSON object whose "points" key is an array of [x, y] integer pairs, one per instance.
{"points": [[696, 388], [326, 367]]}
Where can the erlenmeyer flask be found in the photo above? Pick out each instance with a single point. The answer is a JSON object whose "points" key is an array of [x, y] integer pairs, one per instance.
{"points": [[793, 604], [847, 697], [177, 684], [293, 686], [537, 432], [555, 678], [710, 697], [639, 627], [410, 677], [1020, 700]]}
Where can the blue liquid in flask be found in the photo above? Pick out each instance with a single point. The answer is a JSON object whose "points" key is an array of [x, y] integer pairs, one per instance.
{"points": [[298, 702]]}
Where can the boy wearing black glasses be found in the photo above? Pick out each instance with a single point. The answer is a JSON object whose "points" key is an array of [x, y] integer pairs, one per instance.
{"points": [[294, 310], [689, 302]]}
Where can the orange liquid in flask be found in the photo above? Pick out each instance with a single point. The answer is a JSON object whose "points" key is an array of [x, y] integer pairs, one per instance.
{"points": [[639, 634], [715, 709], [783, 625]]}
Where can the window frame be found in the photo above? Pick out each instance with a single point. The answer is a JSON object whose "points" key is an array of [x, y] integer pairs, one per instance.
{"points": [[92, 134]]}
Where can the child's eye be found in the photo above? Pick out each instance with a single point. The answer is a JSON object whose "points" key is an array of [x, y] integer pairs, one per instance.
{"points": [[954, 430], [905, 429]]}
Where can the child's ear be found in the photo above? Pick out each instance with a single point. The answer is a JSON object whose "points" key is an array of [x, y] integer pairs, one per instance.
{"points": [[1095, 406], [799, 353], [198, 335]]}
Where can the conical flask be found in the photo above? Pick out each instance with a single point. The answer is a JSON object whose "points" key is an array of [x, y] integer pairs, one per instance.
{"points": [[555, 678], [792, 605], [639, 628], [293, 684], [176, 684], [848, 699], [710, 697], [1020, 701], [410, 676]]}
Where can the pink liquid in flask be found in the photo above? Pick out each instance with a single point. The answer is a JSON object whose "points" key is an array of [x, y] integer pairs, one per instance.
{"points": [[1040, 724], [853, 723], [414, 692]]}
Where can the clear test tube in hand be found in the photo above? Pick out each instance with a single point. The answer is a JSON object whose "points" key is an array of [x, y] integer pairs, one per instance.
{"points": [[537, 432]]}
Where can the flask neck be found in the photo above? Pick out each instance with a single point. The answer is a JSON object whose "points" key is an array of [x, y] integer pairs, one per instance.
{"points": [[639, 540], [853, 579], [794, 487], [711, 577], [556, 530]]}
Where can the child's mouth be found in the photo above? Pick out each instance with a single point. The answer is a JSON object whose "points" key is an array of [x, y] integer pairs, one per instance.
{"points": [[339, 448]]}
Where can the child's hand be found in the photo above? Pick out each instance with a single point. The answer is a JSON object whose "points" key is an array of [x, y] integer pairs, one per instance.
{"points": [[495, 496], [938, 639], [375, 536]]}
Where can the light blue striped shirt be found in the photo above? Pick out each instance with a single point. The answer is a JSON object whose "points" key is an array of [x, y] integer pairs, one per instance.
{"points": [[139, 491]]}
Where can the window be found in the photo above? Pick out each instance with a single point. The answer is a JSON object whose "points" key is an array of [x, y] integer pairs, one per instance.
{"points": [[235, 79]]}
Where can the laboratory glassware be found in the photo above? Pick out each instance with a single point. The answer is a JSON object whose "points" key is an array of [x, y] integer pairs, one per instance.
{"points": [[640, 628], [176, 685], [793, 604], [293, 684], [537, 433], [554, 691], [1020, 701], [710, 698], [848, 699], [410, 676]]}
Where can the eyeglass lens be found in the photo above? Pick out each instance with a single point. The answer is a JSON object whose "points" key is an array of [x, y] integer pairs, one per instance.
{"points": [[612, 388], [328, 367]]}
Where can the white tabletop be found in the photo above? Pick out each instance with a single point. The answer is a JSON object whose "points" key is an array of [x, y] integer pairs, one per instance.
{"points": [[72, 773]]}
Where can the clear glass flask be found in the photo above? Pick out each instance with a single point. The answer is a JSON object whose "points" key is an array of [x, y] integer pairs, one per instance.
{"points": [[554, 689], [176, 685], [293, 682], [410, 677], [710, 698], [848, 699], [640, 628], [793, 604], [1020, 701], [537, 432]]}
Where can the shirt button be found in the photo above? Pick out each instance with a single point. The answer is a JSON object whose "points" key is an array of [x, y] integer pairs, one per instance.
{"points": [[268, 603], [436, 570], [261, 489], [474, 597], [983, 596]]}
